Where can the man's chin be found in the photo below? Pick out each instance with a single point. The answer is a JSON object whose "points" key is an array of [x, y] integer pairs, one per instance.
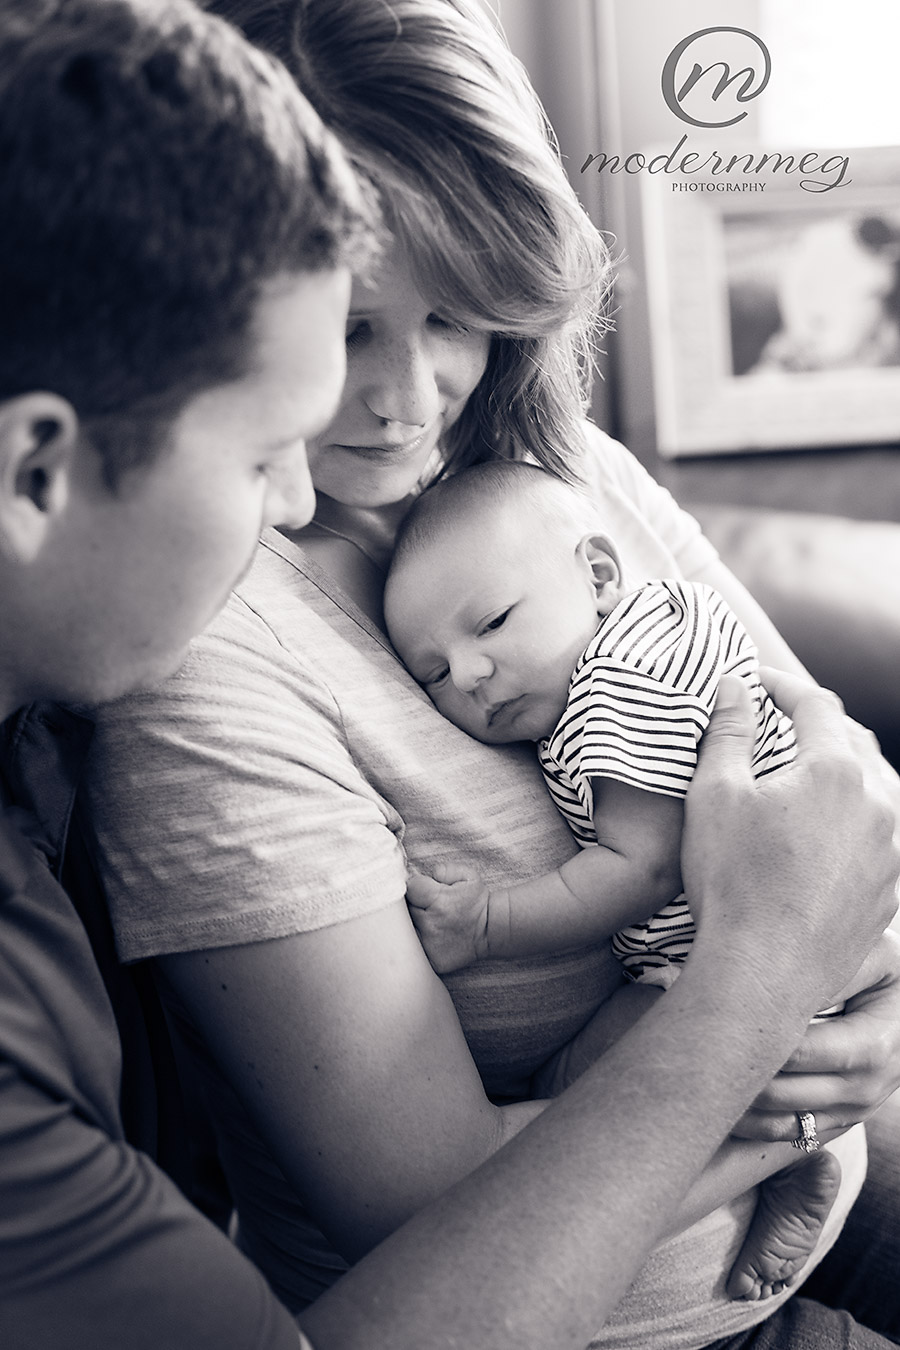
{"points": [[148, 677]]}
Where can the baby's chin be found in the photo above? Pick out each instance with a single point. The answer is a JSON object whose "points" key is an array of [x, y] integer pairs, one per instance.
{"points": [[521, 729]]}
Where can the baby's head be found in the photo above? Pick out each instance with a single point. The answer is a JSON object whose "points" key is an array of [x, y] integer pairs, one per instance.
{"points": [[496, 587]]}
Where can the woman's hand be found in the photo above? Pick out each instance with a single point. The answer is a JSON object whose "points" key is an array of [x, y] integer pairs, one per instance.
{"points": [[844, 1068]]}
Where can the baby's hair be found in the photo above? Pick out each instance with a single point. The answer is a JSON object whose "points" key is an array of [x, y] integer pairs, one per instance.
{"points": [[157, 170], [552, 507], [433, 108]]}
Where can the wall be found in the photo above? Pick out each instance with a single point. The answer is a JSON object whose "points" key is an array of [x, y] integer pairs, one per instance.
{"points": [[596, 65]]}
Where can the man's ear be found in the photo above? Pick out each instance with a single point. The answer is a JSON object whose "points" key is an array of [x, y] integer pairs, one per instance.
{"points": [[600, 556], [38, 437]]}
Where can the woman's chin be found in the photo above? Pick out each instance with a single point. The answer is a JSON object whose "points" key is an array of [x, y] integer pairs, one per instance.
{"points": [[364, 479], [371, 492]]}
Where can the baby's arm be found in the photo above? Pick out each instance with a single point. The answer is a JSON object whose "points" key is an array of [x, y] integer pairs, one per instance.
{"points": [[630, 873]]}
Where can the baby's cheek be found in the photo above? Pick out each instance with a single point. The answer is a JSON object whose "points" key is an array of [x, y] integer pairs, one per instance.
{"points": [[449, 705], [458, 710]]}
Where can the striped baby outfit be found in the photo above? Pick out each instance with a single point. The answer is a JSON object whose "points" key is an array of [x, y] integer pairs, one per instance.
{"points": [[639, 701]]}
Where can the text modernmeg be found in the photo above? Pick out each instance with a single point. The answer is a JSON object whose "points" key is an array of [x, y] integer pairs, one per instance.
{"points": [[831, 170]]}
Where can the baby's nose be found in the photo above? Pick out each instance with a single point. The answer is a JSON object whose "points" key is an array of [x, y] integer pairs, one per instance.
{"points": [[469, 669]]}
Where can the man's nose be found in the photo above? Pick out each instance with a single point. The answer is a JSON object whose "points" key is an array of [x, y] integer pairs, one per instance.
{"points": [[291, 499]]}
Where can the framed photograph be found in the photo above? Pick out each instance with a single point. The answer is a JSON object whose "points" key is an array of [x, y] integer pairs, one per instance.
{"points": [[774, 310]]}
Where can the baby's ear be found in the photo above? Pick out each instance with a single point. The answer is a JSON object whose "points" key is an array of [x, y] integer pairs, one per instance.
{"points": [[600, 556]]}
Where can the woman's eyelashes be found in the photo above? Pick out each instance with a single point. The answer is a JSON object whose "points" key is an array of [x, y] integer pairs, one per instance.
{"points": [[360, 330], [356, 334], [449, 325]]}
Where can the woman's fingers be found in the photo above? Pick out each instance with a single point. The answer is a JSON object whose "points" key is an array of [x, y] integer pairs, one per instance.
{"points": [[844, 1068]]}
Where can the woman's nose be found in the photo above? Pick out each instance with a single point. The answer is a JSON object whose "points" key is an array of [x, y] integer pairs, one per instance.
{"points": [[468, 669], [404, 386]]}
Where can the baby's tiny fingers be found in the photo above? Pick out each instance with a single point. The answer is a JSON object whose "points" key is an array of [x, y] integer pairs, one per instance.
{"points": [[448, 872], [421, 890]]}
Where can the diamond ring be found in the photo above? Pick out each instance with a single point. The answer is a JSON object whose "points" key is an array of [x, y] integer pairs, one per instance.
{"points": [[807, 1140]]}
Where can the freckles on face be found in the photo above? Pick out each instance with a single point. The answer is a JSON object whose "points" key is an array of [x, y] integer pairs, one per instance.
{"points": [[410, 372]]}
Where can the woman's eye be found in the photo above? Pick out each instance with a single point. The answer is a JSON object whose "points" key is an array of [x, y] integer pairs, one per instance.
{"points": [[450, 325], [493, 624], [356, 334]]}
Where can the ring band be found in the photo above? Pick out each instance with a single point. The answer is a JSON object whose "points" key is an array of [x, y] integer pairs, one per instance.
{"points": [[808, 1140]]}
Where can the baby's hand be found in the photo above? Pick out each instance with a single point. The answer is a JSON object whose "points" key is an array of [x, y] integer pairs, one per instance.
{"points": [[450, 913]]}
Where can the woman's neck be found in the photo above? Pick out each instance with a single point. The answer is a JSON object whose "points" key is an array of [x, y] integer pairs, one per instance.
{"points": [[354, 545], [373, 529]]}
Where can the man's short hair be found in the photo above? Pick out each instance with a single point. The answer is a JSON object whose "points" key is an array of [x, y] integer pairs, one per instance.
{"points": [[155, 170]]}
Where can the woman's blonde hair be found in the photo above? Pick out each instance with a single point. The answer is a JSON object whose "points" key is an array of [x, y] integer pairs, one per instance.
{"points": [[433, 108]]}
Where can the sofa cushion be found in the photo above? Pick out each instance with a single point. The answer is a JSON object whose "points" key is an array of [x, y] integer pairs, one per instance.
{"points": [[832, 586]]}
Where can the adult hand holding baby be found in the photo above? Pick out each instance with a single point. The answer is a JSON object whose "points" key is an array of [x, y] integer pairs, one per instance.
{"points": [[740, 833], [845, 1068]]}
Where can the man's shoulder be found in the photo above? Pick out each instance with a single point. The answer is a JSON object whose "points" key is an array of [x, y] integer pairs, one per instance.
{"points": [[43, 750]]}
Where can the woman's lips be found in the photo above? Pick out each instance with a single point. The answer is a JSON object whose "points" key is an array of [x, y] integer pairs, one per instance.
{"points": [[388, 453]]}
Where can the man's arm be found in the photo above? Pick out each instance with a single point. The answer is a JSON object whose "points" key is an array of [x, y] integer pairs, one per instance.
{"points": [[97, 1246], [105, 1252], [539, 1244]]}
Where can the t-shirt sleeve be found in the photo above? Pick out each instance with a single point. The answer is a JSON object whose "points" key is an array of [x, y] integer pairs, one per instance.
{"points": [[227, 804], [611, 463], [98, 1248], [107, 1252], [635, 728], [642, 694]]}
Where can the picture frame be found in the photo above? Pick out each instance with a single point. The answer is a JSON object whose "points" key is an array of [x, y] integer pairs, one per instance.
{"points": [[774, 311]]}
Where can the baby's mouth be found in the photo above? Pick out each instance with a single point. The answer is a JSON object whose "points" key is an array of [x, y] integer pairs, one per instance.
{"points": [[499, 710]]}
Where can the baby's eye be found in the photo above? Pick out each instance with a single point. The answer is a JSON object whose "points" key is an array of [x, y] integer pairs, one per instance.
{"points": [[493, 624], [438, 678], [356, 334]]}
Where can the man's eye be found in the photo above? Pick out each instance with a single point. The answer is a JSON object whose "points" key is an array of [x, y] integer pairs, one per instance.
{"points": [[493, 624]]}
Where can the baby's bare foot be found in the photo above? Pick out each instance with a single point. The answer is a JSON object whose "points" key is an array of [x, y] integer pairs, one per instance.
{"points": [[791, 1209]]}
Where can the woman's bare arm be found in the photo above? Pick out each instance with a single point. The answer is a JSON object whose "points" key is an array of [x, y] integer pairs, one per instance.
{"points": [[772, 648], [538, 1246], [345, 1049]]}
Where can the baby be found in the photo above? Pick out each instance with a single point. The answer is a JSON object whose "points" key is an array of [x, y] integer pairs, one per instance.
{"points": [[512, 612]]}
